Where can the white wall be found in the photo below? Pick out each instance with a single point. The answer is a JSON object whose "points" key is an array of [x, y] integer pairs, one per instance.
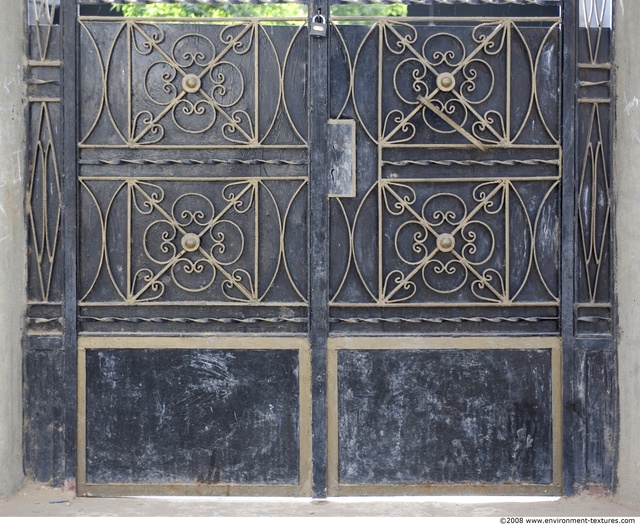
{"points": [[12, 242], [627, 184]]}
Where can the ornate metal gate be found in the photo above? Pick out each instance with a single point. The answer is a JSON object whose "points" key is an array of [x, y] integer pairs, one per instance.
{"points": [[321, 265]]}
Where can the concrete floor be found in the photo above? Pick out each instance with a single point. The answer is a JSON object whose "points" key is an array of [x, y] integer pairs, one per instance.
{"points": [[37, 500]]}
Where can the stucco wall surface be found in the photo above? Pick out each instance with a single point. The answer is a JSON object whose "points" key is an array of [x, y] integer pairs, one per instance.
{"points": [[12, 243], [627, 182]]}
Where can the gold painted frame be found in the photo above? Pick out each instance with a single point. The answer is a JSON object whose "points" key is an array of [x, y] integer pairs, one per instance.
{"points": [[335, 344], [234, 343]]}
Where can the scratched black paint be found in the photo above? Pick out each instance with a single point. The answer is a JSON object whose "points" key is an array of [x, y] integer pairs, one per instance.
{"points": [[192, 416], [49, 395], [439, 416]]}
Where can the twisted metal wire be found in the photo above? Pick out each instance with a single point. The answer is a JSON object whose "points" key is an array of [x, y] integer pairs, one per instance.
{"points": [[417, 320], [428, 162], [196, 320], [45, 320], [189, 162]]}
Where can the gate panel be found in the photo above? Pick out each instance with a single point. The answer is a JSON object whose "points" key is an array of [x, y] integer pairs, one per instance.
{"points": [[448, 235], [193, 174], [226, 416], [454, 228], [433, 415], [193, 206], [458, 174]]}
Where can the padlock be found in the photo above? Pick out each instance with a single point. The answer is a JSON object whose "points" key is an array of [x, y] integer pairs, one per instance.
{"points": [[318, 27]]}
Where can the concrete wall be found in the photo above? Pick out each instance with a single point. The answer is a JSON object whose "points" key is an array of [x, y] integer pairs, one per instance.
{"points": [[627, 182], [12, 243]]}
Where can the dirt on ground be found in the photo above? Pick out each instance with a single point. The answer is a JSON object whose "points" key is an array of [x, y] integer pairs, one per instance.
{"points": [[38, 500]]}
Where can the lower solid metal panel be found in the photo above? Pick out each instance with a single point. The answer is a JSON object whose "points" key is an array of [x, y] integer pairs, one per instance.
{"points": [[444, 415], [194, 416]]}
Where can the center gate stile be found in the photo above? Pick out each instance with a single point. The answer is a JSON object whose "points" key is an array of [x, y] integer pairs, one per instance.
{"points": [[320, 265]]}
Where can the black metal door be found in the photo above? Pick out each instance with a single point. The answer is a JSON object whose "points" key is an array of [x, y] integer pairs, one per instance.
{"points": [[444, 369], [319, 265]]}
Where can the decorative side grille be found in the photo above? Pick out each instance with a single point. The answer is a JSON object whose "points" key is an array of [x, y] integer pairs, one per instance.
{"points": [[44, 194], [594, 197]]}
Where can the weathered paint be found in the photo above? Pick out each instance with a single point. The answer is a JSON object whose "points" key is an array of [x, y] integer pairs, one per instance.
{"points": [[192, 416], [445, 416]]}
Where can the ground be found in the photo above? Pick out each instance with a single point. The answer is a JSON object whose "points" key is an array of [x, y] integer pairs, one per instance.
{"points": [[38, 500]]}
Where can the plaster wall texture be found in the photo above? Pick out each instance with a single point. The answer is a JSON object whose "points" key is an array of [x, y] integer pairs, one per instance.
{"points": [[12, 242], [627, 190]]}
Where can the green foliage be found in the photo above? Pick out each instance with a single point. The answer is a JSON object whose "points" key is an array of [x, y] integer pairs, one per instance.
{"points": [[254, 10], [211, 11], [369, 10]]}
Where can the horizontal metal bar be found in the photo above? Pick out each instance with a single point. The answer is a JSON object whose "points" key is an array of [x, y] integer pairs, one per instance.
{"points": [[442, 304], [594, 66], [421, 2], [189, 147], [194, 320], [194, 20], [589, 83], [44, 63], [594, 101], [473, 19], [438, 320], [430, 162], [593, 305], [459, 146], [194, 179], [167, 342], [44, 320], [192, 303], [205, 162], [446, 489], [435, 178], [50, 100]]}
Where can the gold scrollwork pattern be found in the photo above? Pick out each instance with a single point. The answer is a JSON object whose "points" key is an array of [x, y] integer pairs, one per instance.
{"points": [[222, 84], [465, 243], [459, 164], [213, 241], [488, 83]]}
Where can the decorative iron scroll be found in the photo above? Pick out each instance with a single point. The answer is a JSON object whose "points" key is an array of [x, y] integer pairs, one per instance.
{"points": [[593, 293], [43, 192], [212, 241], [178, 85], [459, 164], [192, 227]]}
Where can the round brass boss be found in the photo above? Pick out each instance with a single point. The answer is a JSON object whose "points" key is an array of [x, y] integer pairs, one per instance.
{"points": [[446, 81], [191, 242], [191, 83], [445, 242]]}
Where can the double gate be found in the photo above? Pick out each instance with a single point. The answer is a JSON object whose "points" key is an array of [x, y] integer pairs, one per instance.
{"points": [[321, 265]]}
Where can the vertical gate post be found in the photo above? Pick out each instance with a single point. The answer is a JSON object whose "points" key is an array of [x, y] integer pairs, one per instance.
{"points": [[594, 405], [44, 398], [570, 16], [319, 244], [69, 230]]}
